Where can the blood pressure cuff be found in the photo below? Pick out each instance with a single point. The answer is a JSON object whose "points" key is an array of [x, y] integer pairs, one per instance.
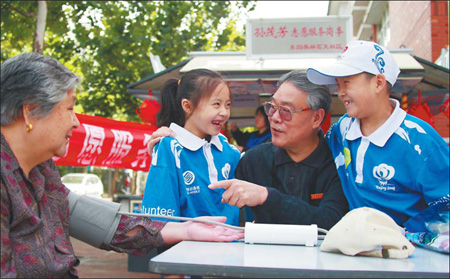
{"points": [[92, 220]]}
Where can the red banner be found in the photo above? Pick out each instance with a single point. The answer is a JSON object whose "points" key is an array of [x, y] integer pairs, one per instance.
{"points": [[104, 142]]}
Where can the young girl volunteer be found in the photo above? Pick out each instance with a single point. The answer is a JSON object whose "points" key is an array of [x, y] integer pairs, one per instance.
{"points": [[196, 107]]}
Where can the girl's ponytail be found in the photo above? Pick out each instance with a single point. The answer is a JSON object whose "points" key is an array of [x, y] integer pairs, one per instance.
{"points": [[171, 110]]}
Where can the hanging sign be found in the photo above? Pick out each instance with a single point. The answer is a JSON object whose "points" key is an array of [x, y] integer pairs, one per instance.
{"points": [[297, 37]]}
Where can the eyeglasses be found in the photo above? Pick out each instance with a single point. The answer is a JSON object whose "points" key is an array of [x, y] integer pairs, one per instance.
{"points": [[285, 112]]}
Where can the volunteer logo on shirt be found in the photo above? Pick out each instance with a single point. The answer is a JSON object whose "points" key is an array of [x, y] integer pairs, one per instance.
{"points": [[189, 177], [226, 170], [384, 173]]}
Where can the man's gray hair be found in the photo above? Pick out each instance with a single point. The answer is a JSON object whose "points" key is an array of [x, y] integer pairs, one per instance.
{"points": [[318, 96], [33, 79]]}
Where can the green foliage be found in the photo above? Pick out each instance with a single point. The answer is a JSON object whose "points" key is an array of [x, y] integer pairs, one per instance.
{"points": [[107, 43]]}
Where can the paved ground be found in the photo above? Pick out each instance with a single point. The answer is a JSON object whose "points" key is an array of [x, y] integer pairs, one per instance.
{"points": [[96, 263]]}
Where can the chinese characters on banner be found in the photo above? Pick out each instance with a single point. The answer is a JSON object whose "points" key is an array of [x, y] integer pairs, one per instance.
{"points": [[282, 38], [105, 142], [304, 32]]}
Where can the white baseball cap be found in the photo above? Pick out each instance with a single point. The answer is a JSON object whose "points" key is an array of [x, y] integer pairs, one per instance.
{"points": [[358, 57], [368, 232]]}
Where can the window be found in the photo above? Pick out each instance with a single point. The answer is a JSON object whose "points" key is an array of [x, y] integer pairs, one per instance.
{"points": [[72, 179], [91, 180], [385, 31]]}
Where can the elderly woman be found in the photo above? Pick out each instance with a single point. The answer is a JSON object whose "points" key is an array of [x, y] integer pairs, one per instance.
{"points": [[37, 119]]}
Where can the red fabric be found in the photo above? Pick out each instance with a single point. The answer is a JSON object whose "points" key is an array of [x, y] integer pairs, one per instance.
{"points": [[444, 108], [226, 132], [317, 196], [326, 123], [105, 142], [422, 111]]}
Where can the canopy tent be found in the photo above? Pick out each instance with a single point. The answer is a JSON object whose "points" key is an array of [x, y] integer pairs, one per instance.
{"points": [[251, 73], [252, 81], [140, 89], [104, 142]]}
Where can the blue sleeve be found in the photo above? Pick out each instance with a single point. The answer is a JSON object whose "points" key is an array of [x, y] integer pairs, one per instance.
{"points": [[336, 142], [162, 195], [433, 176], [333, 137], [331, 134]]}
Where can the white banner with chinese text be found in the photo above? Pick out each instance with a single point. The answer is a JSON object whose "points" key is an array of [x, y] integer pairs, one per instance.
{"points": [[298, 37]]}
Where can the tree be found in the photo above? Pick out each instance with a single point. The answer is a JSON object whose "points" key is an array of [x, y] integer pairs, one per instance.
{"points": [[108, 42], [41, 17]]}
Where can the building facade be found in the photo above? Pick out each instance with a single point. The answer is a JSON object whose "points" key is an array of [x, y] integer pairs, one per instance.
{"points": [[422, 28], [418, 25]]}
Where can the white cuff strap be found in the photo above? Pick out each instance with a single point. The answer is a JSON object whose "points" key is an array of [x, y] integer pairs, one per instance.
{"points": [[92, 220]]}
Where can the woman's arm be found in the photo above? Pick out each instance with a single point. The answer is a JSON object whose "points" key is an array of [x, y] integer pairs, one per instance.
{"points": [[175, 232], [138, 235]]}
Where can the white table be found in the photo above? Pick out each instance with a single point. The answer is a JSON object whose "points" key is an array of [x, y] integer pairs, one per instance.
{"points": [[238, 259]]}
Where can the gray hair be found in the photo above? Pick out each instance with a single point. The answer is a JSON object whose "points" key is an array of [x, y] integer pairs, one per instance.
{"points": [[318, 96], [33, 79]]}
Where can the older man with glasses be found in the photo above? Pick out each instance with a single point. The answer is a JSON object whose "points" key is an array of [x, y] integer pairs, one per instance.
{"points": [[293, 179]]}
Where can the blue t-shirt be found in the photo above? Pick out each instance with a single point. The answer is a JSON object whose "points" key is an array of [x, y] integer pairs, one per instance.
{"points": [[256, 139], [401, 169], [180, 172]]}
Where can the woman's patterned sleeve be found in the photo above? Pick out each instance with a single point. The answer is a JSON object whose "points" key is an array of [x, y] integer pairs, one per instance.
{"points": [[7, 260], [147, 237]]}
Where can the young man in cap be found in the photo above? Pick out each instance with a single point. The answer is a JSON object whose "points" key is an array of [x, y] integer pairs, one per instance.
{"points": [[386, 159]]}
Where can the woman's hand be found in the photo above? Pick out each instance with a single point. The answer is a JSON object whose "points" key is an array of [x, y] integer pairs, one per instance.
{"points": [[174, 232], [211, 232], [158, 135]]}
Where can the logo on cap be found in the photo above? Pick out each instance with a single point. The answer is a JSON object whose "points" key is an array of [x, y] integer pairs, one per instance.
{"points": [[378, 60]]}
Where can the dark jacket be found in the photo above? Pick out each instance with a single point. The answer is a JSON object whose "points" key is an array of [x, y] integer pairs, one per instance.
{"points": [[304, 193]]}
